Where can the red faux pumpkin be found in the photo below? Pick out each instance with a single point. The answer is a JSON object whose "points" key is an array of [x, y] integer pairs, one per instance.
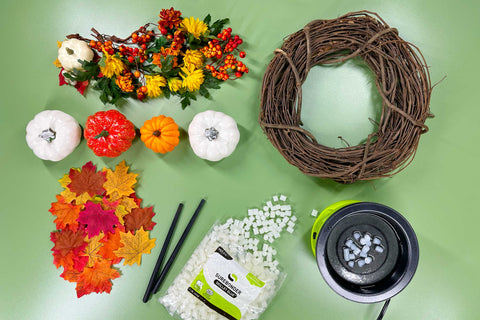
{"points": [[108, 133]]}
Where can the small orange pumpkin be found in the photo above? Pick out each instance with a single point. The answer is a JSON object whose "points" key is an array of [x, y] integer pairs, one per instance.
{"points": [[160, 134]]}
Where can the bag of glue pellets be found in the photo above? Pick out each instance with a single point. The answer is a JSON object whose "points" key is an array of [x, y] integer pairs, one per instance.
{"points": [[226, 277]]}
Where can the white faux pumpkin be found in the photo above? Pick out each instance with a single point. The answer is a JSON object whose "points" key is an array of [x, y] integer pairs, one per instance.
{"points": [[71, 51], [53, 135], [213, 135]]}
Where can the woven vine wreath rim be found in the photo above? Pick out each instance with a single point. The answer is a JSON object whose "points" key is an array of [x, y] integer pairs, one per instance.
{"points": [[402, 80]]}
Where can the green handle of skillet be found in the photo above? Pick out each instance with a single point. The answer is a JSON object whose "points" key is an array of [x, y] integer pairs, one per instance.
{"points": [[324, 215]]}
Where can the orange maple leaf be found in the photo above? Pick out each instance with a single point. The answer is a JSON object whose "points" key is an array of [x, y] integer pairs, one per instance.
{"points": [[111, 242], [119, 182], [139, 217], [71, 275], [96, 279], [87, 180], [67, 214], [134, 246], [69, 195], [67, 240]]}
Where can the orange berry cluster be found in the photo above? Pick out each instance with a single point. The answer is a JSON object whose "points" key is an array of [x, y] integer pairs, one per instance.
{"points": [[106, 46], [142, 93], [220, 75], [143, 37], [212, 50], [230, 63]]}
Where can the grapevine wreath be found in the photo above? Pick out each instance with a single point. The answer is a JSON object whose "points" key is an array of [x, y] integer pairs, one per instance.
{"points": [[401, 77]]}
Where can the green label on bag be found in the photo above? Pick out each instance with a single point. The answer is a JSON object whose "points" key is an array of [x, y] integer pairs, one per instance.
{"points": [[254, 281], [225, 286]]}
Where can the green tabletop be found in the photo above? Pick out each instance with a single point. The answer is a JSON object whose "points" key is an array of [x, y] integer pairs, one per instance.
{"points": [[436, 193]]}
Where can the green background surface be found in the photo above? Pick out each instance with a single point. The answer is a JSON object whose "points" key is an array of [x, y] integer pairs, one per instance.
{"points": [[437, 193]]}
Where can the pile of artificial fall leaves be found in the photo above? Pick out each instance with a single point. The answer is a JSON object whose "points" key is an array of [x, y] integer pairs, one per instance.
{"points": [[99, 222]]}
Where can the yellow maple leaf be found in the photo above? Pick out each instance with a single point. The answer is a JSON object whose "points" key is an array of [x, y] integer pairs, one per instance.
{"points": [[68, 195], [65, 181], [92, 248], [83, 198], [128, 203], [57, 63], [119, 182], [121, 212], [134, 246]]}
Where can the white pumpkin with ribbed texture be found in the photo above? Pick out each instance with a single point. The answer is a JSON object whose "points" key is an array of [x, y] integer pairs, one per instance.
{"points": [[73, 50], [53, 135], [213, 135]]}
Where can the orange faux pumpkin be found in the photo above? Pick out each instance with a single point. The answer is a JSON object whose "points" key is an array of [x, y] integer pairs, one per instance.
{"points": [[160, 134]]}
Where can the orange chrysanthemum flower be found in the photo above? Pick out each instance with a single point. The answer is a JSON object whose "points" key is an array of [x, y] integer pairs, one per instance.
{"points": [[124, 82], [164, 52], [169, 18]]}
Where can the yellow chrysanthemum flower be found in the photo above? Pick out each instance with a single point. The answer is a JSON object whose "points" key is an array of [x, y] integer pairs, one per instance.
{"points": [[113, 66], [153, 84], [192, 78], [193, 59], [195, 27], [174, 84]]}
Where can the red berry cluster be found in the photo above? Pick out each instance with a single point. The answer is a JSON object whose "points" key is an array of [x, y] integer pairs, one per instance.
{"points": [[232, 42], [216, 48], [132, 53], [230, 63]]}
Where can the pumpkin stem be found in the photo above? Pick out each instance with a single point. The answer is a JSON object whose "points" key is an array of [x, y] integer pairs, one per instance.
{"points": [[156, 133], [69, 51], [104, 133], [48, 135], [211, 133]]}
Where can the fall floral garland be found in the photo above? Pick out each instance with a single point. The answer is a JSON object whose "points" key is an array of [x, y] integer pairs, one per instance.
{"points": [[178, 56], [99, 223]]}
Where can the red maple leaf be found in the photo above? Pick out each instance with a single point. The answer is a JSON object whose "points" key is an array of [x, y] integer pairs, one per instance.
{"points": [[66, 240], [107, 205], [79, 85], [138, 201], [139, 217], [87, 180], [71, 261], [96, 279], [97, 220], [67, 214]]}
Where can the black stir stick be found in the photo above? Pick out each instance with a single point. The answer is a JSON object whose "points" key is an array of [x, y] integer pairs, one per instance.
{"points": [[146, 297], [172, 257]]}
